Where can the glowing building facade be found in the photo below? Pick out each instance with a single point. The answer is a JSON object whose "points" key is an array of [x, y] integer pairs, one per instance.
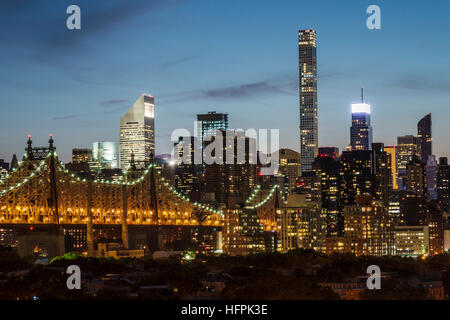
{"points": [[392, 153], [411, 241], [361, 131], [137, 132], [207, 125], [104, 155], [308, 98]]}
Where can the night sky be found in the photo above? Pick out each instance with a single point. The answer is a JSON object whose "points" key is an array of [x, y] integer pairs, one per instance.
{"points": [[239, 57]]}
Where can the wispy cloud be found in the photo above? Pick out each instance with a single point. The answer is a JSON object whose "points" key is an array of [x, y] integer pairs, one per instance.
{"points": [[234, 92], [171, 63], [84, 114], [114, 102]]}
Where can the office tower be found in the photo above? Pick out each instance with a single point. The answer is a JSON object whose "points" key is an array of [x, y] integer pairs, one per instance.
{"points": [[392, 152], [443, 183], [381, 169], [331, 186], [104, 156], [424, 138], [307, 61], [289, 166], [300, 224], [368, 228], [329, 152], [361, 131], [81, 155], [411, 241], [207, 125], [431, 174], [137, 133]]}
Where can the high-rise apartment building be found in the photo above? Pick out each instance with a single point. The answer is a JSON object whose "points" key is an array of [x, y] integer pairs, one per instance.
{"points": [[307, 45], [242, 232], [368, 228], [361, 130], [137, 132], [300, 224], [424, 138]]}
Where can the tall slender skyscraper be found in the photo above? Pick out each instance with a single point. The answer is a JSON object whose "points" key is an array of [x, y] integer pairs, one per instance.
{"points": [[424, 138], [361, 131], [137, 132], [308, 98]]}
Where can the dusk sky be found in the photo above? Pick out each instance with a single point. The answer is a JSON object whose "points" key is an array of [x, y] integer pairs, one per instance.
{"points": [[238, 57]]}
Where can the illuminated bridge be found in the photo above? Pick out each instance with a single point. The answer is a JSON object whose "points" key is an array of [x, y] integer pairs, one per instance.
{"points": [[42, 192]]}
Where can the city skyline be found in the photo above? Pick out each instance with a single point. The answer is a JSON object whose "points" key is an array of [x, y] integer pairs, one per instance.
{"points": [[87, 109], [196, 150]]}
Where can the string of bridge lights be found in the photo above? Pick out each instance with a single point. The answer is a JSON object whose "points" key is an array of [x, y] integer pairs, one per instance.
{"points": [[26, 179], [267, 198], [254, 193], [138, 180], [115, 182]]}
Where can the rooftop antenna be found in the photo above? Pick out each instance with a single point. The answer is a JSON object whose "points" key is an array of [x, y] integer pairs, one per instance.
{"points": [[362, 95]]}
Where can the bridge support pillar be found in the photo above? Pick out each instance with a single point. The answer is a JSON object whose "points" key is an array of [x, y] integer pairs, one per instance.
{"points": [[89, 225], [125, 243]]}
